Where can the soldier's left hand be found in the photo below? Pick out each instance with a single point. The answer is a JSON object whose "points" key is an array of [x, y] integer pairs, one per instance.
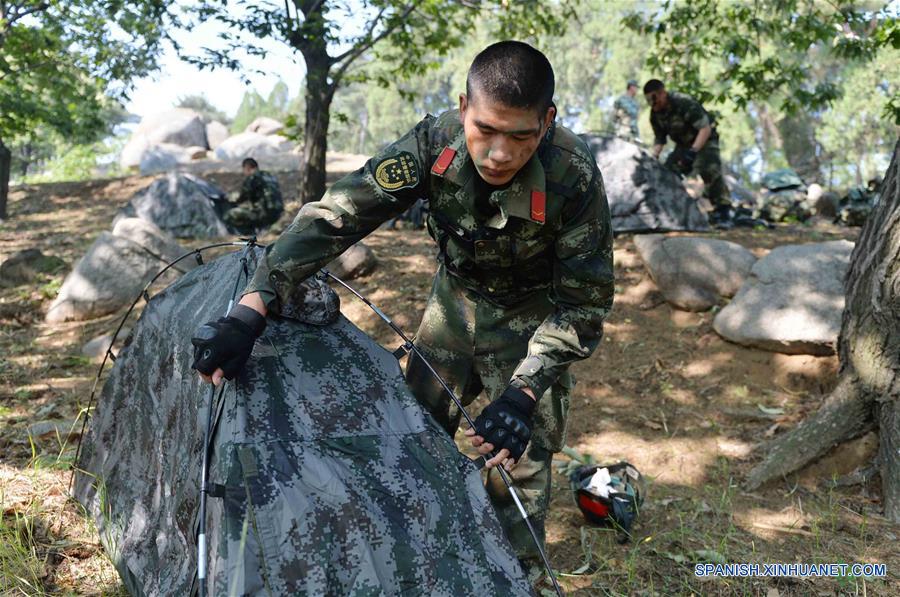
{"points": [[686, 161], [504, 427]]}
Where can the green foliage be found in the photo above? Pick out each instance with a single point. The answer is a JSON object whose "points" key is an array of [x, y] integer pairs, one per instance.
{"points": [[71, 162], [61, 61], [278, 105], [201, 104], [763, 50]]}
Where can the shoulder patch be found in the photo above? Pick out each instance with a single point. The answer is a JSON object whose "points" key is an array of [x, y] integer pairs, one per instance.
{"points": [[397, 172], [444, 160]]}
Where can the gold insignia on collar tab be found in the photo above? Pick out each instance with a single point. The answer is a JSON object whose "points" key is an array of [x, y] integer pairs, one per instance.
{"points": [[397, 172]]}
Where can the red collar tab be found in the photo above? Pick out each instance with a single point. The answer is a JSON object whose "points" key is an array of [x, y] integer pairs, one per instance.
{"points": [[443, 162], [538, 206]]}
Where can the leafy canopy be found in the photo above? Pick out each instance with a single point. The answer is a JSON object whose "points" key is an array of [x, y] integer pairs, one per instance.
{"points": [[765, 49], [63, 64]]}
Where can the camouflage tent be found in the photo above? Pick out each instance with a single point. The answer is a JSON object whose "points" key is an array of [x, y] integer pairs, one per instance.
{"points": [[328, 478]]}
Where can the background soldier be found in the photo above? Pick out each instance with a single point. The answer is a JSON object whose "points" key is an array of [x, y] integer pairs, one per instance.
{"points": [[259, 204], [524, 279], [693, 130], [625, 113]]}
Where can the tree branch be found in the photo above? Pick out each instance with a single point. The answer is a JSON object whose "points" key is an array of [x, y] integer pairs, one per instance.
{"points": [[19, 14], [348, 57]]}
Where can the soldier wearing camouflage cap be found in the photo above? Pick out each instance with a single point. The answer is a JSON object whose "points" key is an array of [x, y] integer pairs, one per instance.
{"points": [[259, 204], [693, 130], [524, 280], [625, 113]]}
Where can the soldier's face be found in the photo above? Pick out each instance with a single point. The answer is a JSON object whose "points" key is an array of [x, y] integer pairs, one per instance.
{"points": [[248, 170], [658, 100], [500, 139]]}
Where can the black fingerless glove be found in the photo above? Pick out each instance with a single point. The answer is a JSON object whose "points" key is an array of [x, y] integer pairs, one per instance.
{"points": [[226, 344], [506, 422]]}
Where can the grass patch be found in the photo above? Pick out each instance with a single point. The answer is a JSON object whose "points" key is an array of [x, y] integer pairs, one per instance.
{"points": [[21, 568]]}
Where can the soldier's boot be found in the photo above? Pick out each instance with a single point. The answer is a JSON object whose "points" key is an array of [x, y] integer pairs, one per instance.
{"points": [[721, 217]]}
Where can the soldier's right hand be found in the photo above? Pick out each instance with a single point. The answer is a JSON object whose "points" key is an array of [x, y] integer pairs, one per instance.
{"points": [[221, 348]]}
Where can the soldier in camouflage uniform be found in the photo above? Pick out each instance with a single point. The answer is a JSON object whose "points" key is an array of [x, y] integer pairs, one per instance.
{"points": [[524, 282], [625, 114], [259, 204], [693, 130]]}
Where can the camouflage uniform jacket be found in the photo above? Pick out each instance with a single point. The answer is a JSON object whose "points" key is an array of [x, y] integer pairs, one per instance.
{"points": [[625, 115], [550, 234], [261, 191], [681, 121]]}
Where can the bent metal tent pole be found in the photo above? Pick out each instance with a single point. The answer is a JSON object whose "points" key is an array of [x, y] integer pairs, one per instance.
{"points": [[204, 471], [410, 347], [144, 293]]}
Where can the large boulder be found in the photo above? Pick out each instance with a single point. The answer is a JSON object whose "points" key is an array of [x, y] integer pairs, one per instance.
{"points": [[153, 240], [264, 126], [179, 126], [357, 261], [694, 274], [252, 145], [328, 477], [643, 195], [163, 157], [181, 204], [216, 133], [792, 302], [108, 277]]}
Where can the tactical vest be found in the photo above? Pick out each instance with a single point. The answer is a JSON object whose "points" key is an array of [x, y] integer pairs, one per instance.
{"points": [[504, 264]]}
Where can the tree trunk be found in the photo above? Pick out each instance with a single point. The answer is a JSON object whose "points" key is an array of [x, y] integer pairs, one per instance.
{"points": [[799, 143], [869, 388], [5, 164], [319, 93], [315, 138]]}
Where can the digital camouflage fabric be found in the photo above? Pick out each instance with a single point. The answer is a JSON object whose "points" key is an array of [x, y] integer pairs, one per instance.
{"points": [[531, 266], [328, 477], [681, 122], [258, 205], [625, 118]]}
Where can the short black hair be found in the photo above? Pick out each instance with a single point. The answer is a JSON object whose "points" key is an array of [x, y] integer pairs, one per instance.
{"points": [[653, 85], [513, 74], [249, 163]]}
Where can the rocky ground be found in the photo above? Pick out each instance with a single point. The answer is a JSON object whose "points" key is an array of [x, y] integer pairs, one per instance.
{"points": [[664, 391]]}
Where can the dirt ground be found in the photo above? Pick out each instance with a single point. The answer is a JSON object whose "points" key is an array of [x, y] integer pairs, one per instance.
{"points": [[664, 392]]}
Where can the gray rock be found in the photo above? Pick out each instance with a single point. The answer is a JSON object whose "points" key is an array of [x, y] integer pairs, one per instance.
{"points": [[216, 133], [253, 145], [180, 204], [357, 261], [792, 302], [52, 429], [179, 126], [643, 195], [108, 277], [692, 273], [264, 126], [24, 266], [95, 348], [827, 205], [154, 241], [163, 157]]}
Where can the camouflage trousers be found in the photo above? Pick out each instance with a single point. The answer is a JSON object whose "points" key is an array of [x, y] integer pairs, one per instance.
{"points": [[247, 219], [475, 345], [624, 130], [708, 165]]}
